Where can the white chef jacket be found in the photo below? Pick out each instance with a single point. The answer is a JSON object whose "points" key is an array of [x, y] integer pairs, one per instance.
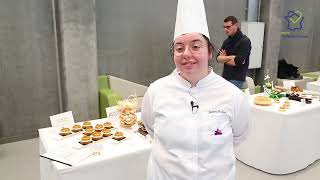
{"points": [[198, 144]]}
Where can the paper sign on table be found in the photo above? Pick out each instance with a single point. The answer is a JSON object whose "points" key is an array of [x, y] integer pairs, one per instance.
{"points": [[288, 84], [112, 112], [62, 120]]}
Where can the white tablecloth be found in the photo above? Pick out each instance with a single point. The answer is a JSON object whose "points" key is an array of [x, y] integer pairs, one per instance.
{"points": [[122, 160], [282, 142], [313, 86]]}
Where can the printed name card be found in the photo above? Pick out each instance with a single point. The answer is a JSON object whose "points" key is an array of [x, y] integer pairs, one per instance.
{"points": [[62, 120], [112, 112], [288, 84]]}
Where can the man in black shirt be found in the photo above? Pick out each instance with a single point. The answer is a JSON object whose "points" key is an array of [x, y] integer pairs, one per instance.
{"points": [[234, 53]]}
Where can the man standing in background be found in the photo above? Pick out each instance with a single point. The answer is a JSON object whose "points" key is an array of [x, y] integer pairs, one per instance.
{"points": [[234, 53]]}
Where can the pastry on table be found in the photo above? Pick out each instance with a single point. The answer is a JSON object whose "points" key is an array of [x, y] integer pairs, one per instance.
{"points": [[106, 132], [107, 125], [286, 104], [276, 101], [85, 140], [76, 128], [99, 127], [96, 135], [296, 89], [86, 124], [65, 131], [263, 101], [88, 131], [282, 108], [118, 136]]}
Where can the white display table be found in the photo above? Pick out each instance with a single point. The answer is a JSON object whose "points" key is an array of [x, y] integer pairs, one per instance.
{"points": [[313, 86], [282, 142], [120, 160]]}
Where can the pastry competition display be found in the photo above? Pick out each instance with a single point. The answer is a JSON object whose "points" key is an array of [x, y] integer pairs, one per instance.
{"points": [[106, 132], [65, 131], [99, 127], [107, 125], [85, 140], [127, 111], [76, 128], [97, 135], [263, 101], [118, 136], [86, 124], [88, 131]]}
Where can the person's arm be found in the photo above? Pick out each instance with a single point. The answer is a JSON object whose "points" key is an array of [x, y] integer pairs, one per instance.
{"points": [[241, 118], [146, 113], [243, 53], [223, 58]]}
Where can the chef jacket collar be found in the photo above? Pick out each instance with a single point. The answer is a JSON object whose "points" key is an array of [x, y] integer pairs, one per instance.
{"points": [[201, 83]]}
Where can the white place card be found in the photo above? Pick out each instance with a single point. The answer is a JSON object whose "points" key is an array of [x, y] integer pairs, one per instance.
{"points": [[288, 84], [112, 112], [62, 120]]}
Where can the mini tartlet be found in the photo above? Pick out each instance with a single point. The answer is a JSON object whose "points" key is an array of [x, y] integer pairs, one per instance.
{"points": [[86, 124], [118, 136], [65, 131], [96, 135], [106, 132], [76, 128], [99, 127], [88, 131], [85, 140], [107, 125]]}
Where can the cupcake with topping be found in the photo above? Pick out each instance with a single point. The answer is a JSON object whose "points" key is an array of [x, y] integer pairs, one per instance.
{"points": [[118, 136], [85, 140], [88, 131], [106, 132], [96, 135], [65, 131], [76, 128], [99, 127], [108, 125], [86, 124]]}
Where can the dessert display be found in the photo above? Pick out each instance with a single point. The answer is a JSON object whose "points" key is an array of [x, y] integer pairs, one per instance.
{"points": [[99, 127], [118, 136], [65, 131], [262, 101], [85, 140], [107, 125], [86, 124], [297, 97], [76, 128], [88, 131], [106, 132], [96, 135], [127, 116]]}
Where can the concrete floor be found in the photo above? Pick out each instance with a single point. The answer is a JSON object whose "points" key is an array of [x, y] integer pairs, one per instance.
{"points": [[20, 160]]}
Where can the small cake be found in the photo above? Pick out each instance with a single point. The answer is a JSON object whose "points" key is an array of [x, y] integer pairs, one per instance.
{"points": [[96, 135], [118, 136], [76, 128], [276, 101], [263, 101], [86, 124], [106, 132], [85, 140], [99, 127], [282, 108], [286, 104], [107, 125], [88, 131], [65, 131]]}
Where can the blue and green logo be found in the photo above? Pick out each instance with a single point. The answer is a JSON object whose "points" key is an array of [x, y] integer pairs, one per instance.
{"points": [[294, 20]]}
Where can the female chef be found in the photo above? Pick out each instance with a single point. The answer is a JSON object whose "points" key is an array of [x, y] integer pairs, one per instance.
{"points": [[194, 116]]}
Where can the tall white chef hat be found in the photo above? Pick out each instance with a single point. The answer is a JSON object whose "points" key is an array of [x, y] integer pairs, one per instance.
{"points": [[191, 17]]}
